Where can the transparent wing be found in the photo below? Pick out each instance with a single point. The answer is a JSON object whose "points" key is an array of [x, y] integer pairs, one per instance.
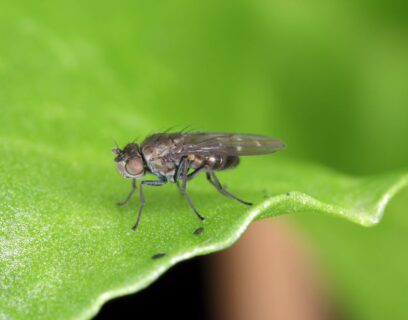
{"points": [[228, 143]]}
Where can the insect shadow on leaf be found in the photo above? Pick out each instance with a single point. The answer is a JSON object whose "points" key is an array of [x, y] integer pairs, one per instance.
{"points": [[158, 255], [198, 231]]}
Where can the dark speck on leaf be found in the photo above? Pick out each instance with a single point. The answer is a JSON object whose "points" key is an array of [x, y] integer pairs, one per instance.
{"points": [[288, 194], [158, 255], [198, 231]]}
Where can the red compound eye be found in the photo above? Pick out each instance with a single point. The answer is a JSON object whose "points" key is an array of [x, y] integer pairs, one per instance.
{"points": [[134, 167]]}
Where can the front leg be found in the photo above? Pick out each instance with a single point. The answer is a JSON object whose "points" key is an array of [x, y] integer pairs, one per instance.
{"points": [[129, 196], [154, 183]]}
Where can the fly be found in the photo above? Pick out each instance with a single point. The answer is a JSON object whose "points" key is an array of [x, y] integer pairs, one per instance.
{"points": [[179, 157]]}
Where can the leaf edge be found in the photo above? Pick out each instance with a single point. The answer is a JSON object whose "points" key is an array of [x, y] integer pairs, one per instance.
{"points": [[256, 213]]}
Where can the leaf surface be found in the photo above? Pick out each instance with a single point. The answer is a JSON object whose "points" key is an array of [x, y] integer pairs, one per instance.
{"points": [[63, 239]]}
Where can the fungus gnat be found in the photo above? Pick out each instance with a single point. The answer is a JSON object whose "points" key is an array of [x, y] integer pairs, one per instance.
{"points": [[179, 157]]}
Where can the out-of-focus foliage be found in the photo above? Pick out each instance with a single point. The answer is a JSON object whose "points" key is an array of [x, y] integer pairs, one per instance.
{"points": [[328, 77]]}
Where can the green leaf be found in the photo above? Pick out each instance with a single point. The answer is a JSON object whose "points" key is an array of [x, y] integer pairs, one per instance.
{"points": [[63, 239], [73, 75]]}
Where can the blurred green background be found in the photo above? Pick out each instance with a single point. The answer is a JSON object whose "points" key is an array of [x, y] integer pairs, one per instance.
{"points": [[329, 78]]}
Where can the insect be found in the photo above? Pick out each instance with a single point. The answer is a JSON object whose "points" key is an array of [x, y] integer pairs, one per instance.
{"points": [[179, 157]]}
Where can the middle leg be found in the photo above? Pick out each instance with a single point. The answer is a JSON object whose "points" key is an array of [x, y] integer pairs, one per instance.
{"points": [[183, 187]]}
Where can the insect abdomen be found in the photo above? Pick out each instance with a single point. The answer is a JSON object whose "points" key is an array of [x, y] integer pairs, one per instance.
{"points": [[216, 162], [221, 162]]}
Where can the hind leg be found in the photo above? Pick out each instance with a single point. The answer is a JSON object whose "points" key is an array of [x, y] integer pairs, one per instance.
{"points": [[216, 183]]}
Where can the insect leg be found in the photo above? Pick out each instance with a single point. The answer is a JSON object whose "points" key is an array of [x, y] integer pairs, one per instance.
{"points": [[216, 183], [195, 172], [180, 168], [190, 176], [142, 199], [183, 188], [179, 172], [129, 196]]}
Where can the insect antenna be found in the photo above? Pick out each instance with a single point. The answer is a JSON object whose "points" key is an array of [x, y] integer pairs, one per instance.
{"points": [[117, 149]]}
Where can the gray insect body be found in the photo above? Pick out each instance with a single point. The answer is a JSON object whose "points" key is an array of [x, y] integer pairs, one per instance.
{"points": [[160, 155], [171, 157]]}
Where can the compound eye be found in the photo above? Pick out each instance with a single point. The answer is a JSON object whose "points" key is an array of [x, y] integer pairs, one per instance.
{"points": [[134, 167]]}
